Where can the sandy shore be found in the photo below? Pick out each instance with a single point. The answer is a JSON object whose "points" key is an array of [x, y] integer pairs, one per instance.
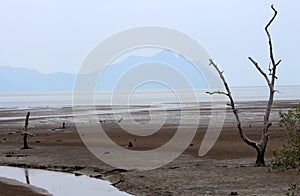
{"points": [[228, 167]]}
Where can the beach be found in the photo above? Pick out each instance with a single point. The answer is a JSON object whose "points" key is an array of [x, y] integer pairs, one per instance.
{"points": [[227, 168]]}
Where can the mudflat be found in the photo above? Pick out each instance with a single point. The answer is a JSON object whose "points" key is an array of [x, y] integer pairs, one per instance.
{"points": [[228, 168], [10, 187]]}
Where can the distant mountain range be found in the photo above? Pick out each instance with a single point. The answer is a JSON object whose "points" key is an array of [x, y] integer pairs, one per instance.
{"points": [[28, 80]]}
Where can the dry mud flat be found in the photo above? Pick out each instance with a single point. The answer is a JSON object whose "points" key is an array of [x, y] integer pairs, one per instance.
{"points": [[226, 169]]}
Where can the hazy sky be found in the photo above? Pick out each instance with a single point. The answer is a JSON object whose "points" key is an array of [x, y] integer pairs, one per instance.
{"points": [[56, 36]]}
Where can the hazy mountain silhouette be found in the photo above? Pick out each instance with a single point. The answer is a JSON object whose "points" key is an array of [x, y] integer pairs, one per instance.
{"points": [[28, 80]]}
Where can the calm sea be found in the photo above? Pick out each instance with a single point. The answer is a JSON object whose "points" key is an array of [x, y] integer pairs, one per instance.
{"points": [[58, 99]]}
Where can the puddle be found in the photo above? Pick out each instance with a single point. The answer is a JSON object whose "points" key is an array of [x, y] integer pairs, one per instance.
{"points": [[61, 183]]}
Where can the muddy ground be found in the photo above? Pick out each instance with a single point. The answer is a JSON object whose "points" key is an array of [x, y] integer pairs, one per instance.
{"points": [[227, 168]]}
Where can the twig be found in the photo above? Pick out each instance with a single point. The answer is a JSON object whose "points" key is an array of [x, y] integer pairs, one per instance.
{"points": [[260, 70]]}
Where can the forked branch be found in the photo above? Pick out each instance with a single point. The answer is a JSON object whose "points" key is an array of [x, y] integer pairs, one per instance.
{"points": [[233, 108], [272, 73]]}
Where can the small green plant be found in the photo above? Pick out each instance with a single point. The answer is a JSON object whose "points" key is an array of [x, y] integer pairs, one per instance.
{"points": [[293, 190], [289, 156]]}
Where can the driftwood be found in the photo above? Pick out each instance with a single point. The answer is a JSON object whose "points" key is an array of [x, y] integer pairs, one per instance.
{"points": [[111, 121], [270, 78]]}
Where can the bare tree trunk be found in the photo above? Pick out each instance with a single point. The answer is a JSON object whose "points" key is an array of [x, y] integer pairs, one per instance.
{"points": [[260, 146], [25, 146], [260, 159]]}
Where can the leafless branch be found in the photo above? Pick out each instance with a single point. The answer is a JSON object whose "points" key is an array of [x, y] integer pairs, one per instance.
{"points": [[234, 110], [217, 92], [278, 63], [260, 70], [271, 84], [269, 37]]}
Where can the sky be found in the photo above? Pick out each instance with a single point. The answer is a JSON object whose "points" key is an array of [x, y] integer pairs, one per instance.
{"points": [[56, 36]]}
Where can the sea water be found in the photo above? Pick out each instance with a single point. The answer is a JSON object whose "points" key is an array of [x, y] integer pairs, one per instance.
{"points": [[143, 97]]}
